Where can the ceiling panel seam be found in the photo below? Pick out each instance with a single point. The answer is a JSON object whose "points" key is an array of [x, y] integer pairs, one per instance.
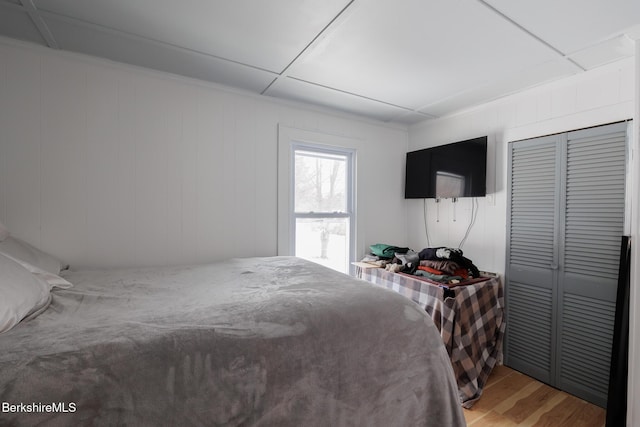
{"points": [[125, 34], [41, 26], [340, 16], [531, 34], [399, 116], [356, 95]]}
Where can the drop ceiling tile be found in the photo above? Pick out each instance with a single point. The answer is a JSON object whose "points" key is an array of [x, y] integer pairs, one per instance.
{"points": [[302, 91], [394, 60], [115, 46], [264, 34], [572, 25], [412, 52], [603, 53], [16, 24], [520, 80]]}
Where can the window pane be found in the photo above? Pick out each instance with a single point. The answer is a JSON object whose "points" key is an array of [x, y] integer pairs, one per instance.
{"points": [[320, 184], [325, 241]]}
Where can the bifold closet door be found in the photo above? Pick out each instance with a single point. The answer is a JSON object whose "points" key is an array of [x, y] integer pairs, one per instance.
{"points": [[589, 266], [566, 216], [532, 255]]}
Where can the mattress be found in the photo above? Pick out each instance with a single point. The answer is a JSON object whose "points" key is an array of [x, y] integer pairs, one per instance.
{"points": [[246, 342]]}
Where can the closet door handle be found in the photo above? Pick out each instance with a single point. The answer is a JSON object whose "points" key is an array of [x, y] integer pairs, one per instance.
{"points": [[554, 266]]}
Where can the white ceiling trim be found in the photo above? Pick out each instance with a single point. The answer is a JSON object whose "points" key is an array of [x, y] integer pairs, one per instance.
{"points": [[37, 20], [409, 110]]}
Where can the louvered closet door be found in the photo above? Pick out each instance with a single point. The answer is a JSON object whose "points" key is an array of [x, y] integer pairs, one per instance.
{"points": [[592, 229], [532, 255], [566, 219]]}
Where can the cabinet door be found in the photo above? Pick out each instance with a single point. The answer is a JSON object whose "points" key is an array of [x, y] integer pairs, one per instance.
{"points": [[532, 255], [593, 224]]}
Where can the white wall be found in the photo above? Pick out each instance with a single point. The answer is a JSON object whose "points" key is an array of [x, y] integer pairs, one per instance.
{"points": [[109, 165], [597, 97]]}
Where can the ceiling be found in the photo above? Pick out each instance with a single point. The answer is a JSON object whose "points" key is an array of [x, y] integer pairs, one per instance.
{"points": [[400, 61]]}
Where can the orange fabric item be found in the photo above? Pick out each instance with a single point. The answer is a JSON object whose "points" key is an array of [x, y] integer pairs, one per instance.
{"points": [[462, 272], [430, 270]]}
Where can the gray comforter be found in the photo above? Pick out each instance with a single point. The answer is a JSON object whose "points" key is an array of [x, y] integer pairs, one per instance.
{"points": [[261, 342]]}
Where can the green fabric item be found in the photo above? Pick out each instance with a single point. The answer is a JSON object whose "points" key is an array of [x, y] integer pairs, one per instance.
{"points": [[387, 251]]}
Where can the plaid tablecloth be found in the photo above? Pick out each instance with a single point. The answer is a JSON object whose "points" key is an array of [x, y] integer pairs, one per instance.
{"points": [[470, 319]]}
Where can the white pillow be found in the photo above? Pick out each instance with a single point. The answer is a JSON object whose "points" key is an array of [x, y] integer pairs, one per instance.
{"points": [[52, 279], [23, 251], [4, 233], [23, 294]]}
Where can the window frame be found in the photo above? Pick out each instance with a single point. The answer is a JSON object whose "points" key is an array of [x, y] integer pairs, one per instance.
{"points": [[288, 138], [349, 155]]}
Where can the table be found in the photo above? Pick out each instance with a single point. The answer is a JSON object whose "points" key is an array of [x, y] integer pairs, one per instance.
{"points": [[470, 319]]}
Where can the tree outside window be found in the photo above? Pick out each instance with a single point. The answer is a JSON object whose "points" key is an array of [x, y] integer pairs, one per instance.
{"points": [[321, 197]]}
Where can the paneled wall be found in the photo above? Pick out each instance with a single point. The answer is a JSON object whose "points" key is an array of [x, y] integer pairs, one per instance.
{"points": [[592, 98], [107, 165]]}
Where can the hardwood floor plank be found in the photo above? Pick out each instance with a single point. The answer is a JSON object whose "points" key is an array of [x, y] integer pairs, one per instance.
{"points": [[498, 373], [556, 399], [492, 419], [536, 401], [511, 398], [501, 390], [512, 401], [574, 412]]}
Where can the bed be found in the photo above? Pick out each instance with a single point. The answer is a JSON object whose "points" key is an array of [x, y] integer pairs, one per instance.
{"points": [[246, 342], [469, 316]]}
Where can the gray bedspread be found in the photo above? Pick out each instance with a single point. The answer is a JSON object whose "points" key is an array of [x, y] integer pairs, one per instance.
{"points": [[248, 342]]}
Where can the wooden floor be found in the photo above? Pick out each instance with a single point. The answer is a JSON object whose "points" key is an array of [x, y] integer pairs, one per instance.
{"points": [[513, 399]]}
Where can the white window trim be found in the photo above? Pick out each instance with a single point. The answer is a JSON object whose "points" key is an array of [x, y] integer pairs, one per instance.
{"points": [[290, 138]]}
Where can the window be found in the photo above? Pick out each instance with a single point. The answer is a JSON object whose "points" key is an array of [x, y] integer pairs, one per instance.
{"points": [[322, 216], [317, 197]]}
